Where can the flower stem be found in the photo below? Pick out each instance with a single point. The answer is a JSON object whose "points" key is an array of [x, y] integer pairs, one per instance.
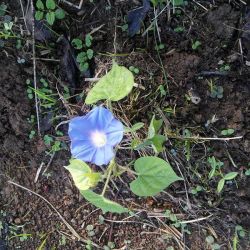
{"points": [[109, 104], [110, 170]]}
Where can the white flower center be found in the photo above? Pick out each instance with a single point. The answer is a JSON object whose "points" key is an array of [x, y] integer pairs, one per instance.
{"points": [[98, 138]]}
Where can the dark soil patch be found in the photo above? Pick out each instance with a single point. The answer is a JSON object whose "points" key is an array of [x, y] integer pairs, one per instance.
{"points": [[189, 72]]}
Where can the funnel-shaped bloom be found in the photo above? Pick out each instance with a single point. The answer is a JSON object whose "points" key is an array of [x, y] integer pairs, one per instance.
{"points": [[94, 136]]}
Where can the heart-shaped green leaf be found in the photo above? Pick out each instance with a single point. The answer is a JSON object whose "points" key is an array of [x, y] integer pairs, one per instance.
{"points": [[84, 178], [154, 175], [105, 204], [114, 86]]}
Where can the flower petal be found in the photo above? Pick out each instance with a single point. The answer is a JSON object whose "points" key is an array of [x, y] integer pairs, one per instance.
{"points": [[79, 128], [114, 132], [100, 117], [103, 156], [82, 150]]}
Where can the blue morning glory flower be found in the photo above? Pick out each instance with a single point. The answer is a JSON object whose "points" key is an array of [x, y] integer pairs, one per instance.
{"points": [[94, 136]]}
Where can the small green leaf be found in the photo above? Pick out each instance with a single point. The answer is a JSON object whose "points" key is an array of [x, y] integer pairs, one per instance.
{"points": [[50, 4], [177, 2], [81, 57], [141, 145], [223, 132], [84, 67], [114, 86], [157, 143], [90, 227], [60, 13], [39, 5], [196, 44], [230, 176], [83, 176], [229, 131], [154, 127], [211, 173], [39, 15], [247, 173], [154, 175], [3, 8], [90, 53], [154, 2], [210, 239], [88, 40], [50, 17], [220, 185], [134, 128], [77, 43], [101, 202]]}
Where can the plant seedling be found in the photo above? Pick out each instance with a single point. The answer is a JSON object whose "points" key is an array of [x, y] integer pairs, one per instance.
{"points": [[32, 134], [227, 132], [84, 56], [50, 11], [111, 245], [239, 233], [179, 29], [196, 44], [124, 27], [62, 241], [7, 30], [216, 91], [31, 120], [89, 245], [196, 190], [160, 46], [211, 242], [216, 171], [90, 230], [162, 90], [134, 70], [227, 177], [216, 165], [247, 172], [225, 67]]}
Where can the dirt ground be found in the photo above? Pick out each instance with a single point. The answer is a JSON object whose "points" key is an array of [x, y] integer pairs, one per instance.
{"points": [[29, 222]]}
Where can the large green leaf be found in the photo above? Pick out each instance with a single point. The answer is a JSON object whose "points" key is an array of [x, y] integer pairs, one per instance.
{"points": [[84, 178], [101, 202], [154, 175], [114, 86]]}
